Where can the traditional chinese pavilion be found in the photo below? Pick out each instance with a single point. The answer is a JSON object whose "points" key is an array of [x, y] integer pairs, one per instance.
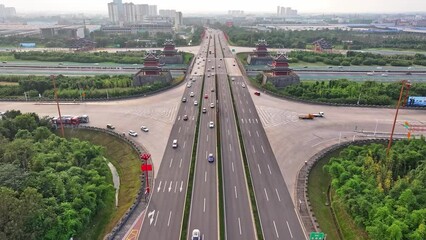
{"points": [[280, 66], [151, 65], [260, 55], [280, 75], [321, 45], [169, 48], [151, 72], [170, 54]]}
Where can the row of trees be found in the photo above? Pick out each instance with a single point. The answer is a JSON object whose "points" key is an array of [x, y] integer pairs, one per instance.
{"points": [[50, 187], [384, 195], [99, 86], [346, 39], [358, 58], [345, 91]]}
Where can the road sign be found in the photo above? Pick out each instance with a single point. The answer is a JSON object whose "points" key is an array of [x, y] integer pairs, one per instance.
{"points": [[146, 167], [316, 236]]}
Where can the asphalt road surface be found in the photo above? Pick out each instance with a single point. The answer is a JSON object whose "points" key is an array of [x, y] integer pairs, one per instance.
{"points": [[239, 222], [204, 213], [276, 210], [163, 216]]}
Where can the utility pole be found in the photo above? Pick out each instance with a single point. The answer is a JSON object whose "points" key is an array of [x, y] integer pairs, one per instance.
{"points": [[404, 83], [57, 104]]}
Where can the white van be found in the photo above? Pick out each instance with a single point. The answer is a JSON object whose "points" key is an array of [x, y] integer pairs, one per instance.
{"points": [[175, 143]]}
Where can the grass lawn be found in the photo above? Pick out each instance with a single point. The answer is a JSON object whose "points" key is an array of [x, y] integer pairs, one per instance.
{"points": [[128, 167], [9, 84], [318, 183], [7, 58]]}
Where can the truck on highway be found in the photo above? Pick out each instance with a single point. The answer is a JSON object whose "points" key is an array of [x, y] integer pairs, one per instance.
{"points": [[70, 120], [306, 116], [320, 114]]}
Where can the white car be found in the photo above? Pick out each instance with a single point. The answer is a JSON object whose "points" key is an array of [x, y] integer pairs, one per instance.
{"points": [[133, 133], [243, 85], [211, 124], [144, 128], [191, 94], [196, 235], [195, 103], [232, 78], [211, 105]]}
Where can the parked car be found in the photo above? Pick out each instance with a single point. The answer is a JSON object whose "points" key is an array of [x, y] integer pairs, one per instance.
{"points": [[144, 128], [257, 93], [133, 133], [110, 126]]}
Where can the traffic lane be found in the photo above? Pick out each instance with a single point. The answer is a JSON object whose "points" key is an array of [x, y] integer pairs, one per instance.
{"points": [[238, 214], [262, 188], [264, 151]]}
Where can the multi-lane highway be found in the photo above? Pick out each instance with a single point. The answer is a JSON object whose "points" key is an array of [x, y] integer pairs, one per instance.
{"points": [[204, 213], [163, 216], [239, 222], [276, 210]]}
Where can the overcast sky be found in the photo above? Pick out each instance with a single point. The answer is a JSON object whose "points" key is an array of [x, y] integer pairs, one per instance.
{"points": [[203, 6]]}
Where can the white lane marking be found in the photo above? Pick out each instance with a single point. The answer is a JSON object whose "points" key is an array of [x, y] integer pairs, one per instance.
{"points": [[249, 110], [242, 109], [276, 231], [257, 133], [181, 184], [159, 187], [205, 176], [230, 147], [170, 216], [180, 164], [187, 129], [232, 164], [278, 195], [193, 117], [263, 150], [249, 120], [156, 217], [178, 117], [257, 120], [204, 205], [258, 166], [242, 120], [254, 150], [176, 186], [164, 188], [206, 154], [179, 129], [207, 138], [170, 187], [151, 216], [235, 189], [247, 102], [171, 162], [269, 170], [266, 194], [239, 226], [291, 235], [184, 144], [240, 100], [249, 133], [229, 132]]}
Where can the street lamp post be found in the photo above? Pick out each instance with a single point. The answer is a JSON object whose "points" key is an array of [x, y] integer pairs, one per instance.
{"points": [[405, 84]]}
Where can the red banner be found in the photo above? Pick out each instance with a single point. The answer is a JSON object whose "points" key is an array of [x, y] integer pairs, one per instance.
{"points": [[146, 167]]}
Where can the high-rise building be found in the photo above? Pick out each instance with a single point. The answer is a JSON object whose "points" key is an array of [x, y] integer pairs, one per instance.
{"points": [[152, 10], [286, 11], [129, 12], [236, 13], [7, 11], [141, 10], [113, 12], [178, 20], [278, 10], [167, 13]]}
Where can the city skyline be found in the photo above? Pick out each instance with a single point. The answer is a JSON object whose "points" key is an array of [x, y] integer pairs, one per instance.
{"points": [[221, 6]]}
